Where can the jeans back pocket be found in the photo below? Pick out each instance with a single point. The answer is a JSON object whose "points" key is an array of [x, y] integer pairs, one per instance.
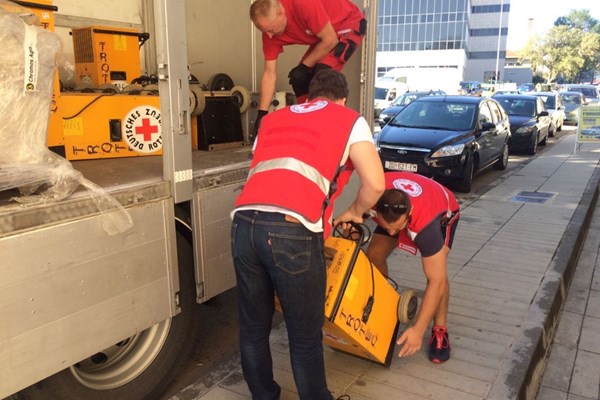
{"points": [[291, 254]]}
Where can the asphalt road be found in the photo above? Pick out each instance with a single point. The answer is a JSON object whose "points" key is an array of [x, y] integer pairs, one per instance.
{"points": [[216, 343]]}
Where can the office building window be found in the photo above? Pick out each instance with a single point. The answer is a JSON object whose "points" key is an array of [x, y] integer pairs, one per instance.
{"points": [[488, 32], [494, 8], [422, 24], [485, 55]]}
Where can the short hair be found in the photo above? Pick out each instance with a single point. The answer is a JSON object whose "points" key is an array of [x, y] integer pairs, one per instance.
{"points": [[392, 204], [263, 8], [329, 84]]}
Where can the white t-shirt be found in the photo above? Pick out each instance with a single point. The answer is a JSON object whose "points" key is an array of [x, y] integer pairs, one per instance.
{"points": [[361, 132]]}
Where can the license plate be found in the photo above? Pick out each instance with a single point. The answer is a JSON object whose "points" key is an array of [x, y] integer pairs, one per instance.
{"points": [[400, 166]]}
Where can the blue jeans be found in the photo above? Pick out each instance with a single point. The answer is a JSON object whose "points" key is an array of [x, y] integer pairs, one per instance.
{"points": [[271, 254]]}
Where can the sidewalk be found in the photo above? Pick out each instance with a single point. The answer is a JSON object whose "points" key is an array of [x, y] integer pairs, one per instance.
{"points": [[572, 369], [507, 273]]}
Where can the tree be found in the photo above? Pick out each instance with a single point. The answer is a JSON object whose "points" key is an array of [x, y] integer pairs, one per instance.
{"points": [[569, 49], [590, 39], [580, 19]]}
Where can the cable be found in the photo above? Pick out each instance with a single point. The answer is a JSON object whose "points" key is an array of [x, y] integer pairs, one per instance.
{"points": [[89, 104]]}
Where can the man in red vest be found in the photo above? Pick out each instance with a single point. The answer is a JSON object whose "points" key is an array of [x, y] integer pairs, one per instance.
{"points": [[303, 157], [333, 30], [414, 214]]}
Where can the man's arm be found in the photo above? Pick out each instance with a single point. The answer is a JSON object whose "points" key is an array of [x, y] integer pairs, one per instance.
{"points": [[367, 164], [267, 84], [434, 268], [328, 40]]}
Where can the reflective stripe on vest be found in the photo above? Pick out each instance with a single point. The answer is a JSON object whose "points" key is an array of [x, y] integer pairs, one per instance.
{"points": [[295, 165]]}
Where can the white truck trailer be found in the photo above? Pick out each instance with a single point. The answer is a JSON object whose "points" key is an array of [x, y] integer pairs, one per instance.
{"points": [[88, 313]]}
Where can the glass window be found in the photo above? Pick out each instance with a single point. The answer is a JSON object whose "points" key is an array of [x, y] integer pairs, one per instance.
{"points": [[496, 114], [485, 115]]}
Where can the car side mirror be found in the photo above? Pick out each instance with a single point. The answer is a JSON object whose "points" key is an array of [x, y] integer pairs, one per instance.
{"points": [[488, 126], [544, 114]]}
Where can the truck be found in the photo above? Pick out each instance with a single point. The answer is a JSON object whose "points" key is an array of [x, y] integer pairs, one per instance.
{"points": [[99, 279]]}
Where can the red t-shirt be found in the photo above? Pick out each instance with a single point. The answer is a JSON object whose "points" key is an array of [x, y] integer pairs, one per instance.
{"points": [[306, 18], [429, 201]]}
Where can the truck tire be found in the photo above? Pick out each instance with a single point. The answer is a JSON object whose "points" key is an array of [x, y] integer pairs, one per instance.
{"points": [[132, 373]]}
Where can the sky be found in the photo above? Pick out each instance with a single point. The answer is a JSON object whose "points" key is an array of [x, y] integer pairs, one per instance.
{"points": [[544, 13]]}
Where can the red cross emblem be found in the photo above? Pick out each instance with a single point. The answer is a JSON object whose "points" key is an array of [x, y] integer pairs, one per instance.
{"points": [[146, 129]]}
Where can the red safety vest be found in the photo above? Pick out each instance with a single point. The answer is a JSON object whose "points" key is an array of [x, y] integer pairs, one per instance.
{"points": [[297, 159]]}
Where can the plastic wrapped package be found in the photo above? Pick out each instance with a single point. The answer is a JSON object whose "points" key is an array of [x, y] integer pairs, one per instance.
{"points": [[28, 62]]}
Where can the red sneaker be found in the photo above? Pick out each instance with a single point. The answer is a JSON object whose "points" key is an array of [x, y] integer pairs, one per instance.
{"points": [[439, 345]]}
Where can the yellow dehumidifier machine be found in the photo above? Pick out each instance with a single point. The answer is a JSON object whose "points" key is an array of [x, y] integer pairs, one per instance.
{"points": [[362, 309]]}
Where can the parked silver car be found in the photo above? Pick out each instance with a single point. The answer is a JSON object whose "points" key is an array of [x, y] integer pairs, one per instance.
{"points": [[555, 107]]}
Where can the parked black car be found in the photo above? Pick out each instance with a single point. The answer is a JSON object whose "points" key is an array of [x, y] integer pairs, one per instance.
{"points": [[530, 122], [446, 137], [402, 101]]}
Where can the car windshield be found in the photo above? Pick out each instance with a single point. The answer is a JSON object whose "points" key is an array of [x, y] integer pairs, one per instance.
{"points": [[405, 99], [520, 107], [526, 87], [381, 93], [436, 115], [548, 101], [572, 99], [589, 93]]}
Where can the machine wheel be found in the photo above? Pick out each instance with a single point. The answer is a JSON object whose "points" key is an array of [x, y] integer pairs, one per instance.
{"points": [[84, 88], [139, 367], [133, 89], [199, 101], [219, 82], [407, 306], [151, 88], [108, 88], [502, 162], [243, 97]]}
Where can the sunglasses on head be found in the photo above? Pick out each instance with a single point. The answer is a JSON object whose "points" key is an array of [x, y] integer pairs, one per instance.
{"points": [[396, 208]]}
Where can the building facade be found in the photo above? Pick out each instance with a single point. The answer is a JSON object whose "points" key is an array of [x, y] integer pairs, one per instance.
{"points": [[463, 38]]}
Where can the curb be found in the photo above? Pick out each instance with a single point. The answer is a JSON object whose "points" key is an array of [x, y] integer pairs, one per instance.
{"points": [[521, 374]]}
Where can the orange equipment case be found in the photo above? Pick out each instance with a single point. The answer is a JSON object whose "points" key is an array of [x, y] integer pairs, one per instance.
{"points": [[352, 283], [362, 310]]}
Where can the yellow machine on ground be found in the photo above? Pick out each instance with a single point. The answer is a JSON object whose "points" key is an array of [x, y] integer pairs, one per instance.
{"points": [[363, 311]]}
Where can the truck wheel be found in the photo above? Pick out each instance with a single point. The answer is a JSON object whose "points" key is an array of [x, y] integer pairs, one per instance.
{"points": [[137, 368], [407, 306]]}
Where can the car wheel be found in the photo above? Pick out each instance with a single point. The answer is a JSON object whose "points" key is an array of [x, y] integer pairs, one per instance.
{"points": [[545, 139], [560, 126], [533, 145], [552, 130], [467, 179], [502, 162]]}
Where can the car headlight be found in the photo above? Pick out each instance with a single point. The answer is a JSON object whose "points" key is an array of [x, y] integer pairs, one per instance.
{"points": [[525, 129], [448, 151]]}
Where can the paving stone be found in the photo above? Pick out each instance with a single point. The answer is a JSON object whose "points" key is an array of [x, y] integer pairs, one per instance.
{"points": [[586, 375], [590, 335], [593, 304], [546, 393], [576, 299], [559, 367], [596, 279], [569, 329]]}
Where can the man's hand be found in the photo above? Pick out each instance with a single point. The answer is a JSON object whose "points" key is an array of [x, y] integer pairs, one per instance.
{"points": [[299, 77], [259, 117], [412, 340]]}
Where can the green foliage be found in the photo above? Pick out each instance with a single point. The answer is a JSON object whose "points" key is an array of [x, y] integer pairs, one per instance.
{"points": [[571, 47]]}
